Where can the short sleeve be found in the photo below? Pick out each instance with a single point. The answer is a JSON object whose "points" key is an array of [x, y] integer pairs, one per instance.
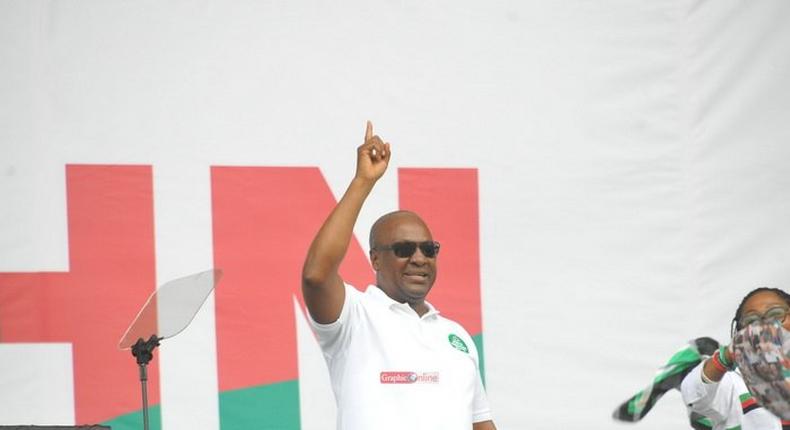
{"points": [[713, 400], [481, 410], [334, 336]]}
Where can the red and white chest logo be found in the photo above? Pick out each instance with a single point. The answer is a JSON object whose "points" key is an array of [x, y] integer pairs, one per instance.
{"points": [[409, 377]]}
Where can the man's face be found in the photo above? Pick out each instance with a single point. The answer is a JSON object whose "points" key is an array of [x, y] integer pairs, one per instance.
{"points": [[406, 279]]}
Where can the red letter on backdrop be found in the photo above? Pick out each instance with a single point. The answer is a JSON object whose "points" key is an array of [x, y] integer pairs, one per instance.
{"points": [[264, 220], [447, 201], [111, 272]]}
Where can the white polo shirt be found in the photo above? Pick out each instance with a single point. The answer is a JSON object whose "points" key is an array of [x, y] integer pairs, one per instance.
{"points": [[727, 403], [392, 369]]}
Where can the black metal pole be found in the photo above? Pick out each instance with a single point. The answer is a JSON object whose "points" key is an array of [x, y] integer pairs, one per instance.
{"points": [[144, 352], [144, 384]]}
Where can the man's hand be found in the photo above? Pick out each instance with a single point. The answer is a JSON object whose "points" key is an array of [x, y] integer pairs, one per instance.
{"points": [[322, 285], [373, 156]]}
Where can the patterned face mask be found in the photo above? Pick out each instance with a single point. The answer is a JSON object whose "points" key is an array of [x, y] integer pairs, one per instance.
{"points": [[762, 353]]}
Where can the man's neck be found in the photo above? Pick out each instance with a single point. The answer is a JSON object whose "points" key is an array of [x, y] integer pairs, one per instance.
{"points": [[418, 306], [421, 308]]}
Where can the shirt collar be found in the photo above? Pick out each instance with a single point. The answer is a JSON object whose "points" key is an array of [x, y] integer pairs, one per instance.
{"points": [[380, 296]]}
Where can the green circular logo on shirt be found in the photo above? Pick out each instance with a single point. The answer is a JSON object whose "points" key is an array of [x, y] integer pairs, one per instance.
{"points": [[458, 343]]}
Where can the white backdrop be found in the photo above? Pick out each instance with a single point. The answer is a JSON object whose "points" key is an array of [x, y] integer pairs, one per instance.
{"points": [[632, 162]]}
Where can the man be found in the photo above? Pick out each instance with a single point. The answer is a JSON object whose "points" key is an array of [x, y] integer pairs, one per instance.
{"points": [[393, 361]]}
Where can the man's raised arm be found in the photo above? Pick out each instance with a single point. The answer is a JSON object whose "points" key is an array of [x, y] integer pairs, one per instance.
{"points": [[322, 286]]}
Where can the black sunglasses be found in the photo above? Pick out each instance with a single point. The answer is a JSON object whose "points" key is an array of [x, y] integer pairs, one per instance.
{"points": [[407, 248]]}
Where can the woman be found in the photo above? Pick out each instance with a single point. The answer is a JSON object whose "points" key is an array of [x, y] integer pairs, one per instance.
{"points": [[714, 390]]}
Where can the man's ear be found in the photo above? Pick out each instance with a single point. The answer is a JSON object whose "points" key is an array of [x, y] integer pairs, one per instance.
{"points": [[374, 260]]}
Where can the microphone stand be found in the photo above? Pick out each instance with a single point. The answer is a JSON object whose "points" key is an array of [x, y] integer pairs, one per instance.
{"points": [[143, 351]]}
